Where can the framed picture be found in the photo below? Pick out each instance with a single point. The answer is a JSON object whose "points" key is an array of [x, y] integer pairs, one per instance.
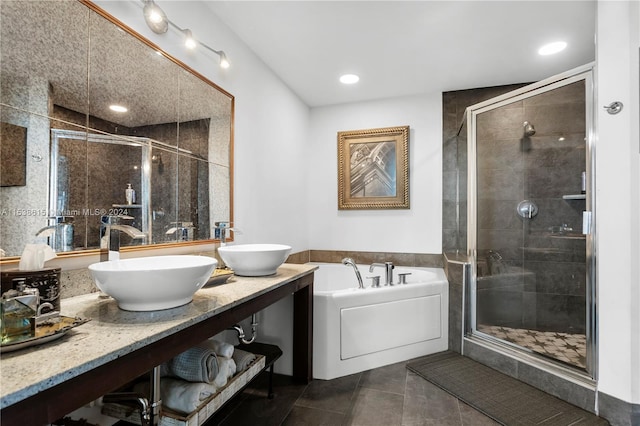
{"points": [[373, 169]]}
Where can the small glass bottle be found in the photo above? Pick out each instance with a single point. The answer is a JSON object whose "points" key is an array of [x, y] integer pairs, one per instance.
{"points": [[18, 310]]}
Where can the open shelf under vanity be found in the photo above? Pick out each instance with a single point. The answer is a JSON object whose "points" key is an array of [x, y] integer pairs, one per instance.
{"points": [[266, 356]]}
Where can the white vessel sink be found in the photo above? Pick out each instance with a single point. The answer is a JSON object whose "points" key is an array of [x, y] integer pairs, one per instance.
{"points": [[153, 283], [254, 260]]}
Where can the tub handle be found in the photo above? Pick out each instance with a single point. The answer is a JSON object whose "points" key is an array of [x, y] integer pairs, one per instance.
{"points": [[375, 281], [402, 278]]}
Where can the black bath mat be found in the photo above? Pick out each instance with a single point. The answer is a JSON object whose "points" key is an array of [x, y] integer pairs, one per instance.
{"points": [[503, 398]]}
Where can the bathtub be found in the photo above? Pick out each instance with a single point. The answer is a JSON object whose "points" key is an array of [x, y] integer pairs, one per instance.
{"points": [[359, 329]]}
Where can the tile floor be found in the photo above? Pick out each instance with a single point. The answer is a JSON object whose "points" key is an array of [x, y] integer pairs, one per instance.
{"points": [[385, 396], [569, 348]]}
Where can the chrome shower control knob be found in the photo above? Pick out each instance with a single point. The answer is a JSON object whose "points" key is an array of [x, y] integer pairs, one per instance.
{"points": [[527, 209]]}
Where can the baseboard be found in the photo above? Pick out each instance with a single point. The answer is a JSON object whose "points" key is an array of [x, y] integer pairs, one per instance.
{"points": [[617, 411]]}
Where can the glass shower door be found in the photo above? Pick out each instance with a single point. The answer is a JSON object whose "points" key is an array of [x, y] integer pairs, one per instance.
{"points": [[532, 282]]}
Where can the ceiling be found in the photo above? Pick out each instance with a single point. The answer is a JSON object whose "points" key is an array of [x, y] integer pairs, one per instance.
{"points": [[403, 48]]}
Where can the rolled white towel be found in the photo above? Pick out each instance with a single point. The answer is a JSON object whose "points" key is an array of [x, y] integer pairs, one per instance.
{"points": [[227, 370], [198, 364], [242, 359], [180, 395], [220, 348]]}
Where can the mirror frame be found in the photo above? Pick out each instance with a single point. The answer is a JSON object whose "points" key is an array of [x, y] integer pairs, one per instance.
{"points": [[14, 260]]}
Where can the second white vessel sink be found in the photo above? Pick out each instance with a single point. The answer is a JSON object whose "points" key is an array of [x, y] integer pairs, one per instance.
{"points": [[153, 283], [254, 260]]}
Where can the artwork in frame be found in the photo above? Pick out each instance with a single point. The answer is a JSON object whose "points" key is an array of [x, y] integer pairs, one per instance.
{"points": [[373, 169]]}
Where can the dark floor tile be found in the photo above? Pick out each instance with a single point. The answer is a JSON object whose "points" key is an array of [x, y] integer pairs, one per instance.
{"points": [[303, 416], [373, 407], [391, 378], [253, 407], [424, 403], [333, 395]]}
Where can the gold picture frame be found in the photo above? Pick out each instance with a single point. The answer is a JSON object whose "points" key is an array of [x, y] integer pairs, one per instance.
{"points": [[373, 169]]}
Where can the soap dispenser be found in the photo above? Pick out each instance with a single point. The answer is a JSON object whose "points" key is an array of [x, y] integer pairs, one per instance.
{"points": [[130, 194]]}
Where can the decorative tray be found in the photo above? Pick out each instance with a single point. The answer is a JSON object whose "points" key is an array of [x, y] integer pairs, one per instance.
{"points": [[45, 332], [219, 276]]}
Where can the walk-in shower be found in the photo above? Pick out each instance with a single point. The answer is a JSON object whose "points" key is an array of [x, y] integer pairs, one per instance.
{"points": [[529, 221]]}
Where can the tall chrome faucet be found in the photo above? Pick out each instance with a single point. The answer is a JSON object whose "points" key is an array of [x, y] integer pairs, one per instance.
{"points": [[110, 229], [348, 261], [388, 271], [220, 231]]}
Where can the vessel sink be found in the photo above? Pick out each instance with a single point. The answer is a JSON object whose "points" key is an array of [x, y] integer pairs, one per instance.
{"points": [[153, 283], [254, 260]]}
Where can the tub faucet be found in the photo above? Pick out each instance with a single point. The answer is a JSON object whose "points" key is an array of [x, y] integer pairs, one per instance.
{"points": [[110, 229], [348, 261], [388, 271]]}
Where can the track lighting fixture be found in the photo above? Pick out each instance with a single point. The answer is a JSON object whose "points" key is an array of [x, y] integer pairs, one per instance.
{"points": [[155, 17], [159, 23]]}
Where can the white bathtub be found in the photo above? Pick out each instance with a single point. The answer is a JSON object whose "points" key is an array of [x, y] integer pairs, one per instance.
{"points": [[359, 329]]}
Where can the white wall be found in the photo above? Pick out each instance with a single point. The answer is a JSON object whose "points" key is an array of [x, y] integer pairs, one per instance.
{"points": [[414, 230], [617, 200]]}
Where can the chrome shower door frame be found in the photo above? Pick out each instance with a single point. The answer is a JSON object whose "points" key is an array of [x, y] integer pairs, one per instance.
{"points": [[470, 289]]}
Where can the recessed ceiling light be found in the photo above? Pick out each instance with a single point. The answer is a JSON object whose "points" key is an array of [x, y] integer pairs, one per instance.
{"points": [[349, 79], [118, 108], [551, 48]]}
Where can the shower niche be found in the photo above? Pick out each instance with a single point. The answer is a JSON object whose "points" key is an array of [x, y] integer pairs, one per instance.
{"points": [[529, 236]]}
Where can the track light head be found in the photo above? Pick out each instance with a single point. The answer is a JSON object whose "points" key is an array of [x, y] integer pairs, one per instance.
{"points": [[189, 41], [155, 17], [224, 62]]}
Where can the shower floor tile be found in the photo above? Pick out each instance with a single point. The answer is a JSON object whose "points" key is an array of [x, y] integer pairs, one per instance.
{"points": [[565, 347]]}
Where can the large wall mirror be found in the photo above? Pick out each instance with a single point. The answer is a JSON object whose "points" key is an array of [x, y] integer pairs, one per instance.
{"points": [[63, 64]]}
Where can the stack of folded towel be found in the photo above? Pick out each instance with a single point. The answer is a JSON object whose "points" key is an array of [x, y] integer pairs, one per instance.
{"points": [[196, 374]]}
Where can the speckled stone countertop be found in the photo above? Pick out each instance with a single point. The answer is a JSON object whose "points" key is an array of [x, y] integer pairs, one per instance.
{"points": [[112, 332]]}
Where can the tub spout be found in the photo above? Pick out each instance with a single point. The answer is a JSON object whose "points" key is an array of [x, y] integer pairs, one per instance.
{"points": [[388, 271], [348, 261]]}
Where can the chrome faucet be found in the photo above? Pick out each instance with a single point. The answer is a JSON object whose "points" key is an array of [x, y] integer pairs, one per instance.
{"points": [[110, 229], [59, 233], [348, 261], [221, 231], [388, 271], [183, 230]]}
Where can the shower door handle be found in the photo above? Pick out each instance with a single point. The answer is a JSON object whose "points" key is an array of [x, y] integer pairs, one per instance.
{"points": [[586, 222]]}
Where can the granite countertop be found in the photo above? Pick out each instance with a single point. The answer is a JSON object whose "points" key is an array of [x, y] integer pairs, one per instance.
{"points": [[112, 332]]}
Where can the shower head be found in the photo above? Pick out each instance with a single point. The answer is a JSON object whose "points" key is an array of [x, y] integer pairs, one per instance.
{"points": [[529, 130]]}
